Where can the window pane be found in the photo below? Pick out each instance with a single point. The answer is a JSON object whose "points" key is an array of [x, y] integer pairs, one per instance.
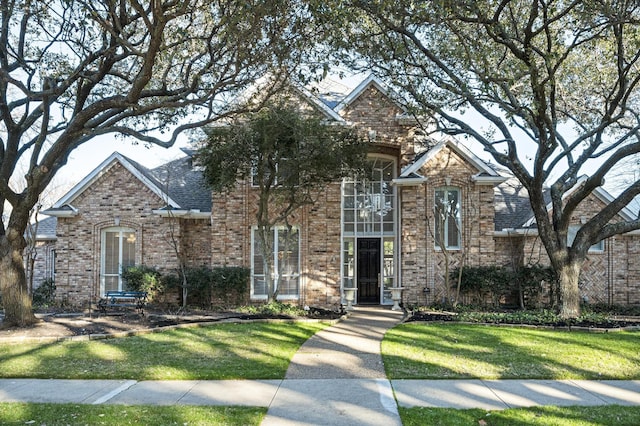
{"points": [[287, 252], [289, 286], [111, 254], [286, 247], [447, 217], [110, 283]]}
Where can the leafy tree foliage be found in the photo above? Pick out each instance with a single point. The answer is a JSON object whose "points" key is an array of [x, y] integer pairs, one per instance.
{"points": [[548, 88], [71, 70], [289, 156]]}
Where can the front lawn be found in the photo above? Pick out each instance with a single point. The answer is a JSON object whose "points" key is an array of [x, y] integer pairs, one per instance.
{"points": [[557, 416], [215, 352], [457, 351], [79, 414]]}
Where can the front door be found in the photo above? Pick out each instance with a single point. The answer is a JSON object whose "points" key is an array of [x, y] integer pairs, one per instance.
{"points": [[369, 270]]}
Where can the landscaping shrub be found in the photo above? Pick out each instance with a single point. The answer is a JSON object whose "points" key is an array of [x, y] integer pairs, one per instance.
{"points": [[45, 294], [494, 284], [225, 284], [275, 309], [229, 284], [484, 283], [529, 287], [144, 278], [198, 286]]}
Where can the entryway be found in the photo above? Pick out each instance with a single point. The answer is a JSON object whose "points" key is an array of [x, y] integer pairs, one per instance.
{"points": [[368, 271]]}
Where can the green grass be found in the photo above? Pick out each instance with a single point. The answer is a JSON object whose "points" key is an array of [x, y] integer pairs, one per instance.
{"points": [[221, 351], [547, 416], [78, 414], [456, 351]]}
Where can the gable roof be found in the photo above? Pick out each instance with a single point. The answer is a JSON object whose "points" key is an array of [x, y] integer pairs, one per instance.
{"points": [[511, 204], [185, 189], [371, 80], [140, 172], [486, 174]]}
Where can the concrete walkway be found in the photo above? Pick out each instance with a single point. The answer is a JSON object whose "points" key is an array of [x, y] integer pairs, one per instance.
{"points": [[336, 378]]}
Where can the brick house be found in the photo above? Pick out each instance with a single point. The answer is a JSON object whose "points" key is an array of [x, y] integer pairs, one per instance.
{"points": [[373, 234]]}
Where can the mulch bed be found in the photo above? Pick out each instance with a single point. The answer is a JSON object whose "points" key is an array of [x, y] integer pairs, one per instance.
{"points": [[70, 324]]}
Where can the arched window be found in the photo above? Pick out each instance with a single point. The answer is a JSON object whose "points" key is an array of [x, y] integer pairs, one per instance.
{"points": [[118, 252]]}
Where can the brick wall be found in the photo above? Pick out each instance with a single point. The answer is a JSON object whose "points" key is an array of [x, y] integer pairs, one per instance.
{"points": [[424, 266], [117, 198], [611, 276]]}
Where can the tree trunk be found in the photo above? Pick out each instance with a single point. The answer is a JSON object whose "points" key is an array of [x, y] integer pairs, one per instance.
{"points": [[13, 285], [568, 275]]}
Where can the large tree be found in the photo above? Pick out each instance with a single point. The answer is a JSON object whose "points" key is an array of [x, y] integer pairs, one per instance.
{"points": [[548, 87], [71, 70], [289, 155]]}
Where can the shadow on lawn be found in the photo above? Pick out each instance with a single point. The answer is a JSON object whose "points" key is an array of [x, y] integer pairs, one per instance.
{"points": [[455, 351], [222, 351]]}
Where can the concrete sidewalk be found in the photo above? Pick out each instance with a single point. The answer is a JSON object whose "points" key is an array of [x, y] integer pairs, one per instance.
{"points": [[487, 394], [336, 378]]}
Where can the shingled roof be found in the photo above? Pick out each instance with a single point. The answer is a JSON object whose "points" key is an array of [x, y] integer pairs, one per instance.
{"points": [[184, 183]]}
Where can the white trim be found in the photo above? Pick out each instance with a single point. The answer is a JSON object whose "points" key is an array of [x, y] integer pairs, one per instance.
{"points": [[103, 235], [465, 153], [183, 214], [382, 235], [520, 232], [417, 181], [488, 180], [60, 211], [355, 93], [101, 170], [275, 230], [324, 108], [447, 190]]}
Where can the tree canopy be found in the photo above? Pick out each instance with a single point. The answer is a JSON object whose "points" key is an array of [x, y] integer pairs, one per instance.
{"points": [[289, 155], [71, 70], [548, 88]]}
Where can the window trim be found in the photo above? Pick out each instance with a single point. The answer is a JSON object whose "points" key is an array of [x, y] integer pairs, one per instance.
{"points": [[447, 190], [296, 275], [598, 247], [103, 235]]}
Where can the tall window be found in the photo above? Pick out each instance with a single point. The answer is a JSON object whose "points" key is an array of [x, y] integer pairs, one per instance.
{"points": [[447, 218], [368, 202], [286, 263], [118, 252]]}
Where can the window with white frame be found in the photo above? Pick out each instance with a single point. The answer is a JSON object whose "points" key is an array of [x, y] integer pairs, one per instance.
{"points": [[286, 263], [118, 252], [447, 218], [571, 236]]}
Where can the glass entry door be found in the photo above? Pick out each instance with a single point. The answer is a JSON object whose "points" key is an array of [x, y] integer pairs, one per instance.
{"points": [[118, 253]]}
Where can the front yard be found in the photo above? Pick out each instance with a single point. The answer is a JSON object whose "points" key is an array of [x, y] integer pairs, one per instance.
{"points": [[458, 351], [263, 351]]}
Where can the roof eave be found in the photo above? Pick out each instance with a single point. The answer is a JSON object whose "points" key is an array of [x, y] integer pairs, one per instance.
{"points": [[61, 211], [488, 180], [516, 232], [182, 214], [409, 181]]}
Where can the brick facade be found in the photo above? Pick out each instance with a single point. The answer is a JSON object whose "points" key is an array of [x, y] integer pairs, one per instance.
{"points": [[117, 197]]}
